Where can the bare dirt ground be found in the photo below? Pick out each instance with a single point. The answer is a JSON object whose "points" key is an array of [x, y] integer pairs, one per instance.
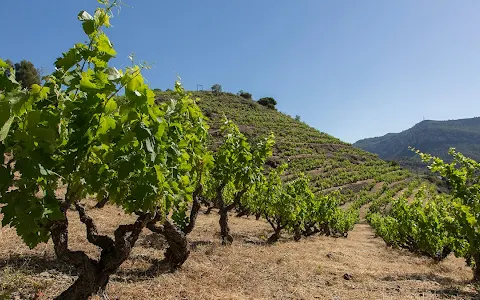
{"points": [[313, 268]]}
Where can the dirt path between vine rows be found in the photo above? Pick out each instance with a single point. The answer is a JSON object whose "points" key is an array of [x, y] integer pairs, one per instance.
{"points": [[318, 267]]}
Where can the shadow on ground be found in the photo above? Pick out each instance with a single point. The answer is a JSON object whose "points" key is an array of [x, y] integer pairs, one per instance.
{"points": [[442, 280], [450, 287], [36, 264], [158, 267], [450, 292]]}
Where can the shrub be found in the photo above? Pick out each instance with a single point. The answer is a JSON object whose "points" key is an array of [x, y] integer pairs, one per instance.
{"points": [[268, 102], [245, 95], [216, 88]]}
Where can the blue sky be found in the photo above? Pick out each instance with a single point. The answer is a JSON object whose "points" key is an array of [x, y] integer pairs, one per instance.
{"points": [[353, 69]]}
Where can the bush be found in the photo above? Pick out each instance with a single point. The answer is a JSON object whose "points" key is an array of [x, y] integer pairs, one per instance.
{"points": [[268, 102], [245, 95], [216, 88]]}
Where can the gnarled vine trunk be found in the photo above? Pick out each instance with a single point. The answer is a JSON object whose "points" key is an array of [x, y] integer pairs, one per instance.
{"points": [[224, 229], [88, 281], [195, 209], [178, 248], [102, 203], [298, 233], [310, 229], [243, 211], [94, 275], [275, 236], [277, 228]]}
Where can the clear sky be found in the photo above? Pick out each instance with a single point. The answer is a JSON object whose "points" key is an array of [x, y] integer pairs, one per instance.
{"points": [[353, 69]]}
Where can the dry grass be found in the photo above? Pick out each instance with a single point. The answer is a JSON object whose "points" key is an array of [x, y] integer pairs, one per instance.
{"points": [[313, 268]]}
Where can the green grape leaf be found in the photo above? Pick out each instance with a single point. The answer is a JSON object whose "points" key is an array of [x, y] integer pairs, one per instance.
{"points": [[5, 113], [105, 46], [160, 130], [111, 106], [42, 92], [68, 60], [6, 128], [185, 180], [102, 18], [87, 83], [3, 64], [151, 149], [142, 131], [106, 123], [88, 27]]}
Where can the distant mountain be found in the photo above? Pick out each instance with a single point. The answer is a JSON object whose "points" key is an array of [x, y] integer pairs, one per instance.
{"points": [[434, 137]]}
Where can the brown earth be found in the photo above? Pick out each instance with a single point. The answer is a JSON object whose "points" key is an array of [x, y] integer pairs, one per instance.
{"points": [[360, 184], [318, 267]]}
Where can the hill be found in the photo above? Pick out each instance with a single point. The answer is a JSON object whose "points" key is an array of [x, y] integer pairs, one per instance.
{"points": [[328, 161], [434, 137]]}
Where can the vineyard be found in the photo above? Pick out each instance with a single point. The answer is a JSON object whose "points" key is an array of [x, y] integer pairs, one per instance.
{"points": [[108, 188]]}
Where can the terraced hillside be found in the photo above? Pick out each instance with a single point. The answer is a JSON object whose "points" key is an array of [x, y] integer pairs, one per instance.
{"points": [[330, 163], [367, 184]]}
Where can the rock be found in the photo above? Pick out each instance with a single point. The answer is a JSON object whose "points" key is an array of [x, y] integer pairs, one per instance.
{"points": [[347, 276], [253, 241], [45, 274]]}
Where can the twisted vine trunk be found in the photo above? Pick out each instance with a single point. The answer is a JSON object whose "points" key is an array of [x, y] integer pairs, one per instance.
{"points": [[224, 209], [276, 231], [224, 229], [88, 281], [94, 275], [178, 248], [275, 236], [195, 209], [102, 202], [298, 233], [177, 252], [310, 229], [243, 211]]}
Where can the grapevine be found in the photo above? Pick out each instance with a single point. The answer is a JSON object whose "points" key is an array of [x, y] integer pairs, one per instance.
{"points": [[73, 132], [237, 167]]}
